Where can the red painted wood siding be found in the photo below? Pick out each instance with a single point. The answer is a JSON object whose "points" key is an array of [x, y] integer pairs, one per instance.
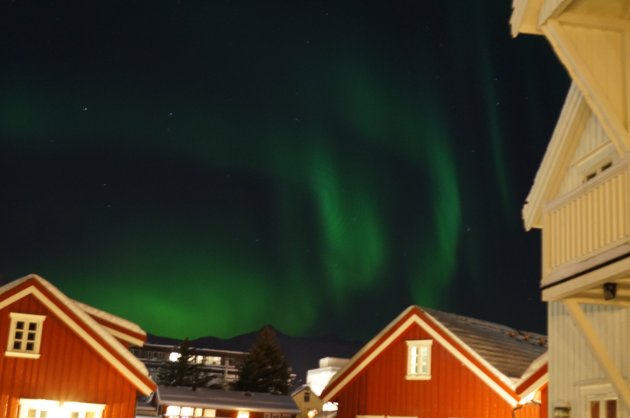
{"points": [[67, 370], [453, 391]]}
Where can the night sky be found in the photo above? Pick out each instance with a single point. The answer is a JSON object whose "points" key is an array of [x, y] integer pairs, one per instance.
{"points": [[208, 167]]}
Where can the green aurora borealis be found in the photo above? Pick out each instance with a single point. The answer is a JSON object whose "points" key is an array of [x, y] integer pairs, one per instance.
{"points": [[205, 168]]}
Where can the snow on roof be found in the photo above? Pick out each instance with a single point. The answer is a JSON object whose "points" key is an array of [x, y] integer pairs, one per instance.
{"points": [[112, 342], [223, 399], [121, 322], [505, 352], [506, 349]]}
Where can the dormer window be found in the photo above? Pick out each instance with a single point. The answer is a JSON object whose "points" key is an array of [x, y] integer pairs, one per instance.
{"points": [[419, 359], [25, 335]]}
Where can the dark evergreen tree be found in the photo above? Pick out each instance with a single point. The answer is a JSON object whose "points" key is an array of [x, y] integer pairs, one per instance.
{"points": [[265, 368], [185, 371]]}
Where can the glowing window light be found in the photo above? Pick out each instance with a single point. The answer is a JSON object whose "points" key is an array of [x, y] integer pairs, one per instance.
{"points": [[174, 356], [243, 414], [38, 408], [187, 411], [198, 412], [82, 410], [209, 413], [172, 411]]}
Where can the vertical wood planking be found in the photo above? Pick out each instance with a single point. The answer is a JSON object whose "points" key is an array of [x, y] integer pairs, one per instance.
{"points": [[580, 226], [67, 370]]}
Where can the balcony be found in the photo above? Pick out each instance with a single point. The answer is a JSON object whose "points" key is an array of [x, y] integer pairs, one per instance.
{"points": [[587, 227]]}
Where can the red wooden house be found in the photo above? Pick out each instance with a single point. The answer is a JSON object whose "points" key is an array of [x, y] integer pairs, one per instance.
{"points": [[63, 359], [432, 364]]}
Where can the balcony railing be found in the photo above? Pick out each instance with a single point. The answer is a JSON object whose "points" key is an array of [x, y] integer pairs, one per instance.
{"points": [[588, 225]]}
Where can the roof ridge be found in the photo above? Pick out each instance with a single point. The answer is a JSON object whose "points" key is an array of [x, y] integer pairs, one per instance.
{"points": [[108, 338]]}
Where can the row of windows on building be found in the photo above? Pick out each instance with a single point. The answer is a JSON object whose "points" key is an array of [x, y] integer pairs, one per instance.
{"points": [[174, 411]]}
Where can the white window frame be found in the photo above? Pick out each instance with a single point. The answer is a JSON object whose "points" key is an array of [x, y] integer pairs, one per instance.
{"points": [[174, 411], [39, 405], [601, 393], [27, 319], [414, 359], [82, 409], [55, 409]]}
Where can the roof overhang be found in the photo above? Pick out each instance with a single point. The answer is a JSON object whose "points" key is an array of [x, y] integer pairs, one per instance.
{"points": [[557, 158], [413, 315], [82, 324], [524, 17]]}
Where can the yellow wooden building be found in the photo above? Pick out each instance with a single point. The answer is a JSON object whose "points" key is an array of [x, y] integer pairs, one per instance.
{"points": [[580, 201]]}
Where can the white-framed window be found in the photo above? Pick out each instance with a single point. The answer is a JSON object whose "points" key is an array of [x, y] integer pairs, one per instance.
{"points": [[25, 335], [602, 408], [174, 411], [82, 410], [419, 359], [43, 408], [37, 408], [600, 401]]}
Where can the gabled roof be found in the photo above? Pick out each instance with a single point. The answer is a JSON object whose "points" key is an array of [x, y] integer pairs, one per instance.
{"points": [[86, 327], [506, 349], [557, 157], [117, 326], [499, 355], [226, 399]]}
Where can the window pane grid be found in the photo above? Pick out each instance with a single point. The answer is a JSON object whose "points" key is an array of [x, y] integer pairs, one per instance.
{"points": [[24, 336]]}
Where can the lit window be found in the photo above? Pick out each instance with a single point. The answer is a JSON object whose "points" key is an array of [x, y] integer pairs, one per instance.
{"points": [[173, 411], [25, 335], [212, 361], [82, 410], [37, 408], [42, 408], [419, 359]]}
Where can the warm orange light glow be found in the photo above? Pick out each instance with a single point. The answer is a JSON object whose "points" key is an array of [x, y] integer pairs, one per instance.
{"points": [[243, 414], [172, 410]]}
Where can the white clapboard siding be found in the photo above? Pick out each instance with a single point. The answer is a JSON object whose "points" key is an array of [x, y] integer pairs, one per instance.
{"points": [[572, 366], [589, 221]]}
